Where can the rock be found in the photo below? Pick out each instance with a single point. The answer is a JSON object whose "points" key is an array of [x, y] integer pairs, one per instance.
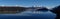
{"points": [[56, 10]]}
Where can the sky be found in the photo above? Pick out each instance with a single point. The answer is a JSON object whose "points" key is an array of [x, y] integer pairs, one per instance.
{"points": [[30, 3]]}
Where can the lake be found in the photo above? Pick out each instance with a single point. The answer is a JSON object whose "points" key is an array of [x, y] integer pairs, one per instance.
{"points": [[29, 15]]}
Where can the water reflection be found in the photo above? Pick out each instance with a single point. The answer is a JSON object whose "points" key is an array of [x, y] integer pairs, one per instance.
{"points": [[37, 14]]}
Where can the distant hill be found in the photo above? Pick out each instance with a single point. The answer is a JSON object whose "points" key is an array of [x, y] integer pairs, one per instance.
{"points": [[41, 9], [11, 10]]}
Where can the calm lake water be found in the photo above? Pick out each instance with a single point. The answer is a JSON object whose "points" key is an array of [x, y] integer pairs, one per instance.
{"points": [[29, 15]]}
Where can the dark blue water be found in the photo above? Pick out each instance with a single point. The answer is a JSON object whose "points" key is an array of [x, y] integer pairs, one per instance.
{"points": [[29, 15]]}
